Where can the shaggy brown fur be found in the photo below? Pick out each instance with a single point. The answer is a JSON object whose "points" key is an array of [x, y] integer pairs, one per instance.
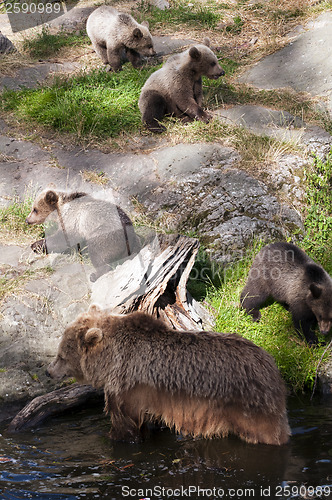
{"points": [[200, 383], [117, 37], [176, 88], [100, 227], [284, 273]]}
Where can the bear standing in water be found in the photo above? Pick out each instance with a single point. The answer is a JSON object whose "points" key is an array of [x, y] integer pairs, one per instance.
{"points": [[117, 37], [176, 88], [284, 273], [201, 383], [103, 228]]}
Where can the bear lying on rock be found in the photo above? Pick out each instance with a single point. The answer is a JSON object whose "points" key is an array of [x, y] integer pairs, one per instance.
{"points": [[284, 273], [201, 383], [84, 222], [117, 37], [176, 88]]}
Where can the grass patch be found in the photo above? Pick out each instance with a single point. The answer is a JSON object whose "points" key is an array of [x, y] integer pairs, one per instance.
{"points": [[12, 219], [45, 44], [318, 217], [180, 13], [96, 104], [14, 284], [275, 333]]}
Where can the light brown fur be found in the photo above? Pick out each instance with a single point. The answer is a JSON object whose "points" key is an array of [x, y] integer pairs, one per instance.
{"points": [[117, 37], [199, 383], [84, 222]]}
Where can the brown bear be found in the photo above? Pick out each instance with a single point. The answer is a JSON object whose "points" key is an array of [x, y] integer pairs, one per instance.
{"points": [[201, 383], [176, 88], [117, 37], [284, 273], [84, 222]]}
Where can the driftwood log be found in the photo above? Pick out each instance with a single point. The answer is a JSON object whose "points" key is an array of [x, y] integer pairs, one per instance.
{"points": [[155, 282]]}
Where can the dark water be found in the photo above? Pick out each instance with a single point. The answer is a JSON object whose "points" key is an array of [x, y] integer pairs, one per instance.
{"points": [[72, 458]]}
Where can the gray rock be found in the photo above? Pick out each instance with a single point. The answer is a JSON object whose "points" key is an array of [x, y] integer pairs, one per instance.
{"points": [[31, 76], [34, 315], [305, 64], [279, 125], [160, 4], [6, 46]]}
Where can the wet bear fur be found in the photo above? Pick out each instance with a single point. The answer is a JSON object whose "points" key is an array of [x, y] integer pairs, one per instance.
{"points": [[199, 383], [284, 273], [176, 88], [117, 37], [100, 227]]}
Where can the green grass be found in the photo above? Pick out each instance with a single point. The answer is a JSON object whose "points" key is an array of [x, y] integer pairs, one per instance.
{"points": [[179, 13], [97, 104], [275, 332], [45, 44], [12, 218], [318, 219]]}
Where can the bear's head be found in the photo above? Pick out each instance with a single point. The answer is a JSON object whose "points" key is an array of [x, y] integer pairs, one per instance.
{"points": [[140, 40], [204, 62], [82, 336], [319, 297], [43, 205]]}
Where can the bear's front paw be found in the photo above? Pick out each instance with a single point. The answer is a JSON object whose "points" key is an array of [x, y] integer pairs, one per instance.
{"points": [[39, 246], [206, 117]]}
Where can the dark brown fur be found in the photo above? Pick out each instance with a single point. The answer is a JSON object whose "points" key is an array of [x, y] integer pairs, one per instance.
{"points": [[176, 88], [200, 383], [284, 273]]}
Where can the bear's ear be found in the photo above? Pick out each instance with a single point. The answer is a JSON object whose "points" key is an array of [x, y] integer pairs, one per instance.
{"points": [[316, 291], [314, 272], [94, 308], [137, 33], [206, 41], [194, 53], [51, 198], [145, 23], [93, 336]]}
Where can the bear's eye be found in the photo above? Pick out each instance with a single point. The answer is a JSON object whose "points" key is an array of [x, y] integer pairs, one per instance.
{"points": [[35, 211], [213, 63]]}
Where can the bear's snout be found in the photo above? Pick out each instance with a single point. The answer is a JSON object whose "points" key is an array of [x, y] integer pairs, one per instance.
{"points": [[220, 73], [324, 327]]}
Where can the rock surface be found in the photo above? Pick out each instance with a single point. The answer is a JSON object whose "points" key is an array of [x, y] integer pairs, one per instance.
{"points": [[185, 188], [305, 64]]}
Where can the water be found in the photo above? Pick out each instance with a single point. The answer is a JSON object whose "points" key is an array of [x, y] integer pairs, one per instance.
{"points": [[71, 458]]}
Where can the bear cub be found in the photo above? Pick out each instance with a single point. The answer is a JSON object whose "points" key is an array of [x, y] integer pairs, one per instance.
{"points": [[284, 273], [201, 383], [117, 37], [84, 222], [176, 88]]}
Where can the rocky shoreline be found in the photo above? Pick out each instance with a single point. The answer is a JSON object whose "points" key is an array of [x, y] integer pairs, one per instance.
{"points": [[186, 186]]}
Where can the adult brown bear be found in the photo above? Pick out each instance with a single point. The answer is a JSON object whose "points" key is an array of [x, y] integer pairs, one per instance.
{"points": [[201, 383]]}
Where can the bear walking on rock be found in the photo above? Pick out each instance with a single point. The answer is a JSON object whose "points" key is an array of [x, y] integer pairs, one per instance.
{"points": [[84, 222], [201, 383], [284, 273], [176, 88], [117, 37]]}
